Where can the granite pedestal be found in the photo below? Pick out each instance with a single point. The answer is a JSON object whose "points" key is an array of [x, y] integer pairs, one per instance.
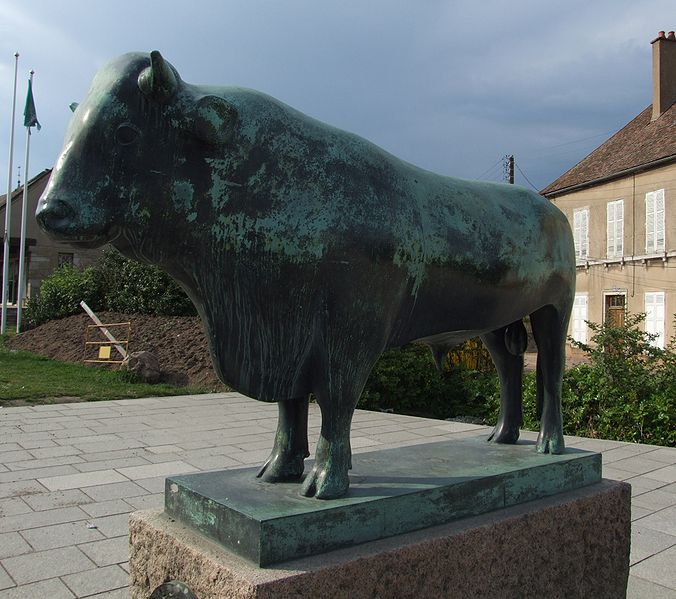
{"points": [[454, 519]]}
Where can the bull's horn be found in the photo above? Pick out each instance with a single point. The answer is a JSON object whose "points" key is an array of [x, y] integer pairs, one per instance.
{"points": [[158, 80]]}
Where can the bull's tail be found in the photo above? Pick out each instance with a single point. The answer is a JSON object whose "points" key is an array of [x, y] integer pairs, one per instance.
{"points": [[516, 338], [439, 353], [540, 392]]}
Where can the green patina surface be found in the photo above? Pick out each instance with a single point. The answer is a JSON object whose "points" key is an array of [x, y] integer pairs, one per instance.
{"points": [[391, 492], [307, 251]]}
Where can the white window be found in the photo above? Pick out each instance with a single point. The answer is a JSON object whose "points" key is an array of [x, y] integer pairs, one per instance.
{"points": [[654, 221], [615, 229], [581, 233], [654, 316], [580, 318]]}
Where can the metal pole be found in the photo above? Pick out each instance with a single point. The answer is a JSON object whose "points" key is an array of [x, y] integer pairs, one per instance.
{"points": [[22, 239], [8, 206]]}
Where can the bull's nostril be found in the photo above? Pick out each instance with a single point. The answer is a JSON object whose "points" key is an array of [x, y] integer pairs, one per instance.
{"points": [[54, 214]]}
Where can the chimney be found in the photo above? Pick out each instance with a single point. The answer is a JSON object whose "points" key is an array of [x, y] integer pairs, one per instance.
{"points": [[664, 73]]}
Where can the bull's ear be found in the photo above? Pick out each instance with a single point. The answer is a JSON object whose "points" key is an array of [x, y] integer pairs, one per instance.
{"points": [[214, 120], [158, 81]]}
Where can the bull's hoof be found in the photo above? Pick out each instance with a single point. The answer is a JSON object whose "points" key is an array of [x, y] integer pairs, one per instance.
{"points": [[504, 434], [550, 443], [282, 467], [325, 485]]}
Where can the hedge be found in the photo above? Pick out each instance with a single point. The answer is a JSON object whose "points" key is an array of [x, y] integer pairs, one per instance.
{"points": [[114, 283], [627, 391]]}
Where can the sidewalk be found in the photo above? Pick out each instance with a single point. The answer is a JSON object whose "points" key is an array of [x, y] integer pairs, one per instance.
{"points": [[70, 474]]}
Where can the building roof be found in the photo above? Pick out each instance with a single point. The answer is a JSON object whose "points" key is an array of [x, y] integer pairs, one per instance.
{"points": [[18, 192], [639, 145]]}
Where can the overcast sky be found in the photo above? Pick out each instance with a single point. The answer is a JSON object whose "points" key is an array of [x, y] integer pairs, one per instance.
{"points": [[451, 86]]}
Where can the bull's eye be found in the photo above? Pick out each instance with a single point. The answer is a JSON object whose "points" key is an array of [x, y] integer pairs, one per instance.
{"points": [[127, 134]]}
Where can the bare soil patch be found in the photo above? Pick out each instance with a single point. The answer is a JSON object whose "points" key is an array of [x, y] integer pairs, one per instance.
{"points": [[178, 342]]}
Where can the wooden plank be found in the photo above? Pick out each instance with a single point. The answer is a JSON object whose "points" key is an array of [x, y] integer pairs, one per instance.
{"points": [[104, 330]]}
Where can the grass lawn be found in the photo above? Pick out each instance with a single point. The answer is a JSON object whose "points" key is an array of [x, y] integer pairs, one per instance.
{"points": [[26, 377]]}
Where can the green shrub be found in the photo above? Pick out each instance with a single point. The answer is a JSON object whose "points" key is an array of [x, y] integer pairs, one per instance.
{"points": [[61, 294], [627, 392], [405, 380], [114, 283], [135, 288]]}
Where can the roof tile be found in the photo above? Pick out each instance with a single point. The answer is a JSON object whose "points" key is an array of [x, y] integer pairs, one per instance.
{"points": [[640, 142]]}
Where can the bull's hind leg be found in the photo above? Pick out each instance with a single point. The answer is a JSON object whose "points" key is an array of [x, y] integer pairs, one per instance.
{"points": [[286, 462], [550, 325], [506, 346]]}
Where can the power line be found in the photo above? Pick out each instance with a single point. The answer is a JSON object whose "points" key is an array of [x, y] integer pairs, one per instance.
{"points": [[490, 168], [574, 141], [494, 175], [544, 150], [526, 178]]}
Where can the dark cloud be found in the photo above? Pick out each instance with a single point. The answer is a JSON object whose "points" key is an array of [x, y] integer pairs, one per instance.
{"points": [[450, 86]]}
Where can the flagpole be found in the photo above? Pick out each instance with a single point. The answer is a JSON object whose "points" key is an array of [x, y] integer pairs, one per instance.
{"points": [[24, 210], [8, 206]]}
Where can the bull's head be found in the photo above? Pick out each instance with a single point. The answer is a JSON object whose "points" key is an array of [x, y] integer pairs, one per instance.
{"points": [[139, 131]]}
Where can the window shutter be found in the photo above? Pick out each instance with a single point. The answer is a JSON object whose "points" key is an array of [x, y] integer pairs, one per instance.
{"points": [[615, 229], [585, 233], [610, 232], [654, 316], [654, 221], [619, 228], [659, 220], [649, 222], [579, 318], [580, 233]]}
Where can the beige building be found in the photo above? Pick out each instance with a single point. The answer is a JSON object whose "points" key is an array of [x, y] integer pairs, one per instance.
{"points": [[621, 204], [43, 254]]}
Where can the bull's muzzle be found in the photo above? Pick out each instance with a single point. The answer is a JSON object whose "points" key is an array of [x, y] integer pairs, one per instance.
{"points": [[62, 222], [55, 217]]}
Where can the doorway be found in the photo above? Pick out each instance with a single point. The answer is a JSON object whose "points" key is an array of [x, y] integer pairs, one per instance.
{"points": [[615, 309]]}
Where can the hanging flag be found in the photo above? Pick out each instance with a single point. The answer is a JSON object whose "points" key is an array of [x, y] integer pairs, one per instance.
{"points": [[30, 116]]}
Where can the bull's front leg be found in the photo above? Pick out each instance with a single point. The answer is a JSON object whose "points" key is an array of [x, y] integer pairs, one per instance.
{"points": [[328, 478], [351, 334], [286, 462], [337, 394]]}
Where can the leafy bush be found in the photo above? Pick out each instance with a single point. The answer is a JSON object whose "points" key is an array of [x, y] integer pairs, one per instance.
{"points": [[61, 294], [405, 380], [135, 288], [627, 392], [115, 283]]}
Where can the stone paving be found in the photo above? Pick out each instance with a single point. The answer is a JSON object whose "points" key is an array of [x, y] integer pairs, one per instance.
{"points": [[70, 474]]}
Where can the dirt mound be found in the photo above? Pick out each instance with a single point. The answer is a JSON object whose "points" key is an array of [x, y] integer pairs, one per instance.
{"points": [[178, 342]]}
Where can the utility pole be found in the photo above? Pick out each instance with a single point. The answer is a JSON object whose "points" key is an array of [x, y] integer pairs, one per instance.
{"points": [[508, 165]]}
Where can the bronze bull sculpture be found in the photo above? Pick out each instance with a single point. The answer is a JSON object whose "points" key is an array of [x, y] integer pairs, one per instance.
{"points": [[308, 250]]}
